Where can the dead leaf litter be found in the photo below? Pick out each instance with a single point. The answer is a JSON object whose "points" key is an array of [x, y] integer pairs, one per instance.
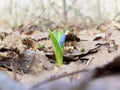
{"points": [[90, 49]]}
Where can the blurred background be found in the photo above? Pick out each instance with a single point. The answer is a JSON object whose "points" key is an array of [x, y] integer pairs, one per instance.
{"points": [[14, 13]]}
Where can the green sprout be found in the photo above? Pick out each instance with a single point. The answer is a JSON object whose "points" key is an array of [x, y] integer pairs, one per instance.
{"points": [[42, 46], [58, 39]]}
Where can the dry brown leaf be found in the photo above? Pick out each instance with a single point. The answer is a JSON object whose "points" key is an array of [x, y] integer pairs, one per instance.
{"points": [[14, 41], [37, 35]]}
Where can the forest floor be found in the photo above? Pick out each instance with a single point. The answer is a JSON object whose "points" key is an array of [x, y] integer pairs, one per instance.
{"points": [[27, 54]]}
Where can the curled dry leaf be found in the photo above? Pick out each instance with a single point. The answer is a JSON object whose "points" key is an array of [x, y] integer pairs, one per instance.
{"points": [[14, 41], [102, 27], [31, 44], [100, 36], [37, 35]]}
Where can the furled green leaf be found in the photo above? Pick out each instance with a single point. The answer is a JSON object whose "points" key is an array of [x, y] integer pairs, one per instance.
{"points": [[57, 49], [58, 34]]}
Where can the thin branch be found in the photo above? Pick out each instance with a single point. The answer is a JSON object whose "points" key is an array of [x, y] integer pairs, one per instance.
{"points": [[59, 77], [65, 12]]}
